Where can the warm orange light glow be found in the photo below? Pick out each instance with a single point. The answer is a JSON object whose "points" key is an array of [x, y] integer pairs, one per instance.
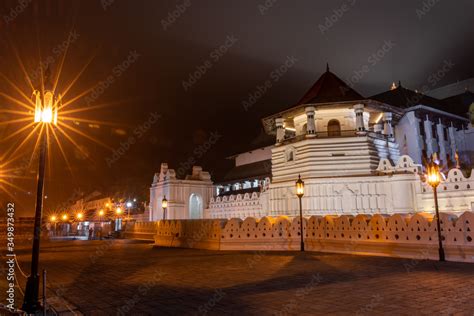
{"points": [[164, 202], [118, 211], [64, 217], [79, 215], [433, 176], [53, 218], [299, 187], [46, 108], [101, 213]]}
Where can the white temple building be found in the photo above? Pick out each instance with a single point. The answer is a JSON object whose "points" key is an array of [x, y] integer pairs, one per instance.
{"points": [[356, 155]]}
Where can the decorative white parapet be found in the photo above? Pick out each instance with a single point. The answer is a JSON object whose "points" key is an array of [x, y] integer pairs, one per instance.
{"points": [[399, 235], [404, 165], [455, 193], [239, 205]]}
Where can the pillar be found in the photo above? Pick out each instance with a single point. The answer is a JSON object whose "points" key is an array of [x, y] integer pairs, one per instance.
{"points": [[310, 124], [378, 128], [428, 137], [387, 124], [441, 142], [359, 112], [452, 141], [280, 130]]}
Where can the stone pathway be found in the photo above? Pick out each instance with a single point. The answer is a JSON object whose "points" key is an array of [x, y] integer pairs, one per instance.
{"points": [[118, 277]]}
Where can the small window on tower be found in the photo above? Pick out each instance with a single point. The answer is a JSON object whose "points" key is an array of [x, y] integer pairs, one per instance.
{"points": [[290, 156]]}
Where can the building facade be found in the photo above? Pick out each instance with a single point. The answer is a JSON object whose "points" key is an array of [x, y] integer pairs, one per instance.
{"points": [[356, 155]]}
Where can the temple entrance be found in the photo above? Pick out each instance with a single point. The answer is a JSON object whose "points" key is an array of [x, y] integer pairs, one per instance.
{"points": [[195, 206], [334, 128]]}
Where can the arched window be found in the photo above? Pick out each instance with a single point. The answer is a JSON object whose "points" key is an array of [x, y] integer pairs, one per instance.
{"points": [[334, 128], [195, 206]]}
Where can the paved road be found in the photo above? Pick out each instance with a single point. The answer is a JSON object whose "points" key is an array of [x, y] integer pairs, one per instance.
{"points": [[131, 278]]}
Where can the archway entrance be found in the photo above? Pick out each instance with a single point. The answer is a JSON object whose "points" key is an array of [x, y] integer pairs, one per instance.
{"points": [[195, 206], [334, 128]]}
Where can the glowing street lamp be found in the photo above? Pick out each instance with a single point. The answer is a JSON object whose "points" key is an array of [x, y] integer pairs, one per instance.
{"points": [[79, 216], [118, 211], [164, 205], [101, 213], [64, 217], [46, 113], [53, 218], [46, 107], [300, 193], [434, 179]]}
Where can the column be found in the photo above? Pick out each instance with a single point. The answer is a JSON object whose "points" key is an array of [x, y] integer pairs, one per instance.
{"points": [[387, 124], [452, 141], [310, 125], [280, 130], [441, 142], [378, 128], [428, 137], [359, 112]]}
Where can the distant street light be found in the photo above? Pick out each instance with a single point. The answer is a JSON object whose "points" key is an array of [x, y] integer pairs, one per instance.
{"points": [[64, 217], [300, 193], [129, 205], [54, 219], [164, 205], [434, 179], [101, 213], [79, 215], [46, 113], [118, 211]]}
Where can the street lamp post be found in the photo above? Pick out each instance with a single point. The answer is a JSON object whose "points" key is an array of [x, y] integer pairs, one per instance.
{"points": [[118, 224], [434, 178], [46, 113], [300, 193], [129, 205], [164, 205]]}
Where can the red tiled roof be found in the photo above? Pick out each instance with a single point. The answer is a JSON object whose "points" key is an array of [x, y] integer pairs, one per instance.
{"points": [[329, 88]]}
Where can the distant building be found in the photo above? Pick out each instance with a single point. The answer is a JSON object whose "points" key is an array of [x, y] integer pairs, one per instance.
{"points": [[355, 154]]}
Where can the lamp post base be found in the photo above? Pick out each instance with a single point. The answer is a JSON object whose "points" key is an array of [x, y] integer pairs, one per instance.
{"points": [[31, 304], [441, 255]]}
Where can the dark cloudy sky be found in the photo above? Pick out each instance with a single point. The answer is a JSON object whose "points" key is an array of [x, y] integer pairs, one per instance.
{"points": [[411, 40]]}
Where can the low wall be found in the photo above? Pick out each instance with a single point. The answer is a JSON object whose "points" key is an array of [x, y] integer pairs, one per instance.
{"points": [[200, 234], [399, 235], [141, 230]]}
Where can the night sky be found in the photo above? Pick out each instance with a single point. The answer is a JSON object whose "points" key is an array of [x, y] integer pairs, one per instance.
{"points": [[186, 79]]}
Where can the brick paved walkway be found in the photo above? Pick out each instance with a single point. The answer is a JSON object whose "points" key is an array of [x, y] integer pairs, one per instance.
{"points": [[130, 278]]}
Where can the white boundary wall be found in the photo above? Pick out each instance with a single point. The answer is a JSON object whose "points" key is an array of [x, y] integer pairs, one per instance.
{"points": [[398, 235]]}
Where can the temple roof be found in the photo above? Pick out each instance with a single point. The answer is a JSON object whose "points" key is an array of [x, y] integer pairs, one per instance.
{"points": [[406, 98], [255, 170], [329, 88], [460, 104]]}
